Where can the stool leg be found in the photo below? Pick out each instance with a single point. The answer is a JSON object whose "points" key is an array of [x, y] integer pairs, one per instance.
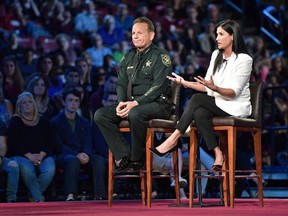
{"points": [[176, 175], [258, 159], [224, 181], [198, 167], [149, 162], [192, 163], [231, 133], [143, 188], [110, 178]]}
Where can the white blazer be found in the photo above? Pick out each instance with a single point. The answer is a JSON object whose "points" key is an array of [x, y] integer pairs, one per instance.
{"points": [[234, 74]]}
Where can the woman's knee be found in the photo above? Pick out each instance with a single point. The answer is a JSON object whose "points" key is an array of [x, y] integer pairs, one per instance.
{"points": [[197, 98], [49, 165], [201, 114]]}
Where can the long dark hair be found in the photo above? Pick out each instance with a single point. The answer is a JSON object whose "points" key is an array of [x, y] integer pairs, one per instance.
{"points": [[238, 44]]}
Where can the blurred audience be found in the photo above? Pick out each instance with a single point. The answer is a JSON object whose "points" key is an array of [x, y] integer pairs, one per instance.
{"points": [[73, 136], [10, 167], [30, 144]]}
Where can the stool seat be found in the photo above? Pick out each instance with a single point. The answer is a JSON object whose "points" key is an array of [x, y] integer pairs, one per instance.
{"points": [[227, 127]]}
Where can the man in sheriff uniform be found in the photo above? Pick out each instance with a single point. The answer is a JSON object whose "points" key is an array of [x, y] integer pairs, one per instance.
{"points": [[143, 94]]}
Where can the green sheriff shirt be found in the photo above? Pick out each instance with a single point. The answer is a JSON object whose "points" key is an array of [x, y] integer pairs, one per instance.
{"points": [[149, 80]]}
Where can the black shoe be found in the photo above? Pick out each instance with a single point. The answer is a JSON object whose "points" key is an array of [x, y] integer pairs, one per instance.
{"points": [[123, 165], [137, 165], [155, 151]]}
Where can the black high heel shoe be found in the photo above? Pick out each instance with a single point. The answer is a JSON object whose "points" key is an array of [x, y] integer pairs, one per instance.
{"points": [[155, 151], [218, 167]]}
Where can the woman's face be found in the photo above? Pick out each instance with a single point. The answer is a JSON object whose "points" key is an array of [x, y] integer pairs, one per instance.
{"points": [[39, 88], [27, 105], [83, 67], [9, 68], [46, 65], [224, 39]]}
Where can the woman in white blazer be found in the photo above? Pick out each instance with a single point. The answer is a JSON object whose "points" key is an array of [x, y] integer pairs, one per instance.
{"points": [[227, 90]]}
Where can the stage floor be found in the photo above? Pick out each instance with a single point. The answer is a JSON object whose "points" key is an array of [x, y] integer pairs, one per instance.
{"points": [[243, 207]]}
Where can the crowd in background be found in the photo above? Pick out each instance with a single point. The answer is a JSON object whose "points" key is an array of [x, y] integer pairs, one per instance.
{"points": [[87, 39]]}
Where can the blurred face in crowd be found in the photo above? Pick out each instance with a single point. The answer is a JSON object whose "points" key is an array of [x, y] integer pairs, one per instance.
{"points": [[27, 105], [72, 103], [72, 78], [64, 43], [141, 36], [46, 65], [9, 68], [112, 99], [83, 67], [110, 84], [39, 88]]}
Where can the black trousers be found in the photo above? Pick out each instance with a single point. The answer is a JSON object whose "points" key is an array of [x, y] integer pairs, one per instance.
{"points": [[107, 121], [201, 109]]}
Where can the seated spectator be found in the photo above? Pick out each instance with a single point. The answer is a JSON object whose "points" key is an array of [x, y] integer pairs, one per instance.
{"points": [[61, 20], [100, 146], [96, 99], [85, 75], [86, 22], [13, 82], [27, 64], [119, 52], [73, 135], [170, 24], [124, 19], [38, 87], [46, 11], [66, 49], [16, 20], [74, 6], [72, 78], [10, 167], [110, 33], [6, 107], [31, 10], [46, 67], [12, 48], [206, 40], [30, 145], [191, 21], [97, 50], [279, 68], [213, 15]]}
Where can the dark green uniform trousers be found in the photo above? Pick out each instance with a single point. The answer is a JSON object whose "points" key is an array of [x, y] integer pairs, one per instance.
{"points": [[107, 121]]}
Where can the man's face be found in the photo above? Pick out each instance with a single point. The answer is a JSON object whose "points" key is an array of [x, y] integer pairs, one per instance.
{"points": [[72, 103], [141, 37], [110, 84], [72, 78], [111, 100]]}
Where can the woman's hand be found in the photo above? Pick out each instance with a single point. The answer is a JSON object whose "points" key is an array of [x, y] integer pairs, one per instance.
{"points": [[177, 79], [208, 83]]}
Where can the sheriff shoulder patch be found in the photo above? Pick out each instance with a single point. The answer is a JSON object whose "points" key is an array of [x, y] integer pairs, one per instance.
{"points": [[166, 59]]}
